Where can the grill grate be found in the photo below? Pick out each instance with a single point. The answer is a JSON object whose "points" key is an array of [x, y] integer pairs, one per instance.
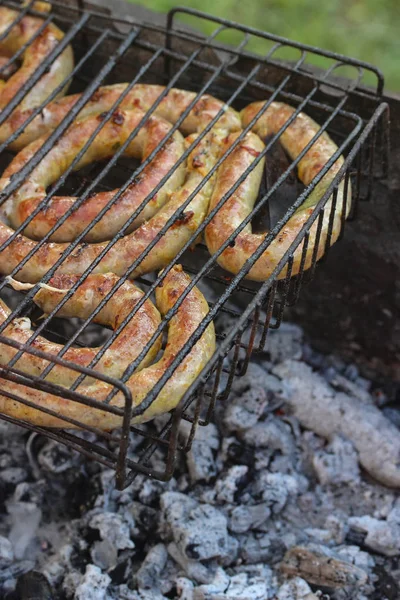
{"points": [[121, 51]]}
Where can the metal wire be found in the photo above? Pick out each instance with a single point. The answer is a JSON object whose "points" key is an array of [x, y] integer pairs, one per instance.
{"points": [[226, 80]]}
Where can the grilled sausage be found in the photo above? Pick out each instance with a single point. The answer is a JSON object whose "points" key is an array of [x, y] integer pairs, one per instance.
{"points": [[141, 96], [294, 139], [115, 132], [181, 328], [122, 254], [123, 350], [19, 35]]}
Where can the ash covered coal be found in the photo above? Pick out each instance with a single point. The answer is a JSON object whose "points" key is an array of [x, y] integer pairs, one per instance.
{"points": [[292, 494]]}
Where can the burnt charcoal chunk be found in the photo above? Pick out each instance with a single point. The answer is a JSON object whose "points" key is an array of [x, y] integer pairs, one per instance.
{"points": [[33, 586]]}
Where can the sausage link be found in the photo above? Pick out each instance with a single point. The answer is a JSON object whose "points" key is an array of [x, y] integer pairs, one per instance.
{"points": [[32, 57], [181, 328], [113, 134], [141, 96], [294, 139], [121, 353], [122, 254]]}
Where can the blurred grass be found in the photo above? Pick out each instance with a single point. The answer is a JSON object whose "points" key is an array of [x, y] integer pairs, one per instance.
{"points": [[364, 29]]}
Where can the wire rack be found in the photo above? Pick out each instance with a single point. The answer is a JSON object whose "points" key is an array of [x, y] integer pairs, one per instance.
{"points": [[114, 51]]}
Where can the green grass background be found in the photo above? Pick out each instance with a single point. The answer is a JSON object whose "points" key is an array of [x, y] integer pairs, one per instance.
{"points": [[364, 29]]}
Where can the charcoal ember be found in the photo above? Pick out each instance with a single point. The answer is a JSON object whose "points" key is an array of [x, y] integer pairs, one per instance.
{"points": [[93, 585], [211, 590], [6, 552], [175, 507], [33, 492], [319, 408], [200, 530], [334, 531], [148, 576], [230, 484], [33, 586], [113, 528], [382, 536], [200, 459], [242, 518], [357, 557], [247, 583], [259, 376], [274, 489], [13, 475], [6, 460], [70, 583], [184, 588], [25, 518], [261, 548], [59, 564], [168, 576], [124, 593], [272, 434], [148, 491], [199, 571], [9, 574], [284, 343], [232, 553], [104, 555], [246, 409], [145, 518], [296, 589], [55, 458], [321, 566], [338, 463]]}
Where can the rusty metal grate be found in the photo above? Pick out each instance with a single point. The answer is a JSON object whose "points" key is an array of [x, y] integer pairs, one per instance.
{"points": [[118, 51]]}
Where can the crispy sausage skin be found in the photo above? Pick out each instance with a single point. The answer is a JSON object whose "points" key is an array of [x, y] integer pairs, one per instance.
{"points": [[113, 134], [32, 57], [181, 328], [294, 139], [125, 348], [122, 254], [141, 96]]}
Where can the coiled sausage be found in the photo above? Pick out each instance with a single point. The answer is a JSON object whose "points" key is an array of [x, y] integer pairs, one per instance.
{"points": [[294, 139], [181, 328], [123, 350], [141, 96], [114, 133], [19, 35]]}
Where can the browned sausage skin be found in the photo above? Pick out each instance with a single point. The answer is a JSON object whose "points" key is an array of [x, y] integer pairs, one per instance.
{"points": [[181, 328], [294, 139], [112, 135], [126, 250], [123, 350], [32, 57], [142, 97]]}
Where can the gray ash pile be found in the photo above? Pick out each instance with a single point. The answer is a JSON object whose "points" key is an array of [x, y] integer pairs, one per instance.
{"points": [[289, 495]]}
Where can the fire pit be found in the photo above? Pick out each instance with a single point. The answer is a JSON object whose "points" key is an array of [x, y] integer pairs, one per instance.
{"points": [[177, 57], [286, 489]]}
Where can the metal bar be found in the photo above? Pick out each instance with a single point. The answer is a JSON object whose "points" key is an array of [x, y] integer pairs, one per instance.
{"points": [[21, 14], [56, 91], [39, 72], [225, 345], [202, 226], [280, 39], [83, 197], [21, 50]]}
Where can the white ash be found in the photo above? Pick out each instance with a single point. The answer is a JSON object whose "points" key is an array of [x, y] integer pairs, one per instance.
{"points": [[337, 463], [320, 409], [275, 500], [93, 585]]}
